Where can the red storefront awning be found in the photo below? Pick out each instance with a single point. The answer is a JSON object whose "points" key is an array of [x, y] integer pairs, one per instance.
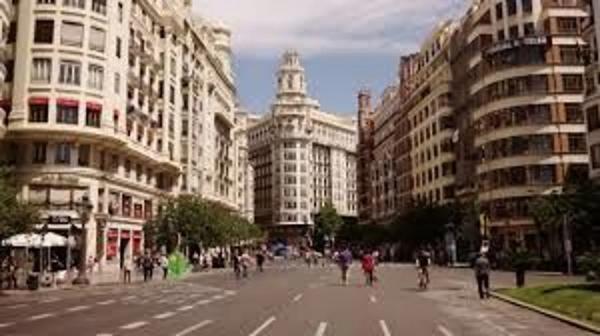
{"points": [[38, 100], [67, 102], [93, 106]]}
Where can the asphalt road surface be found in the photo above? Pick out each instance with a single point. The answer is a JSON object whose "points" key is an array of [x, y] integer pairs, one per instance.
{"points": [[288, 300]]}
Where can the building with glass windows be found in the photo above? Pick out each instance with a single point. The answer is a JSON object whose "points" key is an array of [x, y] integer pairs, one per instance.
{"points": [[122, 101], [303, 158], [592, 89], [6, 14]]}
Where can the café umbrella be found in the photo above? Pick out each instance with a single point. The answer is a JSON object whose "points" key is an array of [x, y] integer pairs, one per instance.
{"points": [[34, 240]]}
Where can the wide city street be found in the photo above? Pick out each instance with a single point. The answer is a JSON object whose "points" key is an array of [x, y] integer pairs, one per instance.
{"points": [[285, 300]]}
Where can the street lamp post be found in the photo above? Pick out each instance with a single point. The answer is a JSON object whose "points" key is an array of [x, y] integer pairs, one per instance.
{"points": [[84, 208]]}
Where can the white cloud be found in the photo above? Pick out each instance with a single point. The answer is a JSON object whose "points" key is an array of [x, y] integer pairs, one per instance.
{"points": [[264, 27]]}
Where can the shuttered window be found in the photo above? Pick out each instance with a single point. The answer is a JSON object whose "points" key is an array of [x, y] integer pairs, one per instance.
{"points": [[97, 39], [71, 34]]}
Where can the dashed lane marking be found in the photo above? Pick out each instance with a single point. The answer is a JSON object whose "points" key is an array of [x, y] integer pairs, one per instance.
{"points": [[164, 315], [445, 331], [185, 308], [134, 325], [6, 325], [218, 297], [22, 305], [194, 328], [373, 299], [78, 308], [106, 303], [263, 326], [384, 328], [50, 300], [230, 292], [297, 298], [321, 329], [131, 297], [104, 335], [40, 317], [203, 302]]}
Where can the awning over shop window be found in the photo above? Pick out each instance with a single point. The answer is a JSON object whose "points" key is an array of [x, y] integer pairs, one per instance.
{"points": [[93, 106], [39, 100], [67, 102]]}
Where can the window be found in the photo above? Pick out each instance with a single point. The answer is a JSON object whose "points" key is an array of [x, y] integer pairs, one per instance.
{"points": [[118, 47], [127, 168], [63, 153], [542, 174], [41, 71], [44, 31], [529, 29], [501, 35], [84, 155], [574, 113], [527, 6], [74, 3], [67, 114], [172, 94], [38, 113], [513, 32], [511, 7], [595, 154], [117, 83], [593, 119], [99, 6], [12, 33], [567, 25], [499, 12], [572, 83], [92, 116], [39, 152], [577, 143], [70, 73], [71, 34], [121, 11], [95, 77], [97, 39]]}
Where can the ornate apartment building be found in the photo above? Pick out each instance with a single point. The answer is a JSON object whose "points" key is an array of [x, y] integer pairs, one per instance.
{"points": [[494, 104], [592, 92], [124, 102], [302, 157], [6, 15]]}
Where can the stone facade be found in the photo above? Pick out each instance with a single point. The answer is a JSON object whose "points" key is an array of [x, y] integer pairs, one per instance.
{"points": [[303, 158]]}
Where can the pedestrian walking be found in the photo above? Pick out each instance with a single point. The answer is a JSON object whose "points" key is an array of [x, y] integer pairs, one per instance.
{"points": [[246, 261], [127, 267], [260, 260], [237, 264], [344, 261], [164, 264], [368, 266], [148, 265], [482, 275]]}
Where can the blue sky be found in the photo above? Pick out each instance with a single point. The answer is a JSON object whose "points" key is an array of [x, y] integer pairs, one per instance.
{"points": [[345, 44]]}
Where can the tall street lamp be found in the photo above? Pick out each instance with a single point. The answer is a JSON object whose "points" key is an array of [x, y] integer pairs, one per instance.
{"points": [[84, 209]]}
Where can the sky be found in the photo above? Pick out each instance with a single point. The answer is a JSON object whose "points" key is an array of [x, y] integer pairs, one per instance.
{"points": [[345, 45]]}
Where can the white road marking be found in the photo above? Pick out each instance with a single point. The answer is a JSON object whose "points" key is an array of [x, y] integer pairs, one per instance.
{"points": [[194, 328], [164, 315], [264, 326], [78, 308], [297, 298], [129, 298], [218, 297], [384, 328], [445, 331], [203, 302], [185, 308], [104, 335], [230, 292], [40, 317], [107, 302], [373, 299], [499, 328], [134, 325], [5, 325], [50, 300], [22, 305], [321, 329]]}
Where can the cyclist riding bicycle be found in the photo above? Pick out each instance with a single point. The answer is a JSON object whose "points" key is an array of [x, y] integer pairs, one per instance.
{"points": [[423, 261]]}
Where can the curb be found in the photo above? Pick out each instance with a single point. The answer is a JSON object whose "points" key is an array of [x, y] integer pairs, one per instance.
{"points": [[557, 316]]}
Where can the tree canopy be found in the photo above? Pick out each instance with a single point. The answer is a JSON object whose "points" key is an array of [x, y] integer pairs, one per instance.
{"points": [[15, 216], [188, 220]]}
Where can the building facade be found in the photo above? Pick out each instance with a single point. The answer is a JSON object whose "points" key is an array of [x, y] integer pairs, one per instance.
{"points": [[494, 104], [303, 158], [124, 102], [6, 14], [592, 92]]}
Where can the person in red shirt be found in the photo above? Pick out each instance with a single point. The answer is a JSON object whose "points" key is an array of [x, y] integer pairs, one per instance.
{"points": [[368, 266]]}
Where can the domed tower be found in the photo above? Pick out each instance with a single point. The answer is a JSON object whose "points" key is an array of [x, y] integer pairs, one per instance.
{"points": [[222, 35], [290, 78]]}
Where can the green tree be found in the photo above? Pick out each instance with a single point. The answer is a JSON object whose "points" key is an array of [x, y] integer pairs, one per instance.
{"points": [[15, 216], [327, 224]]}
